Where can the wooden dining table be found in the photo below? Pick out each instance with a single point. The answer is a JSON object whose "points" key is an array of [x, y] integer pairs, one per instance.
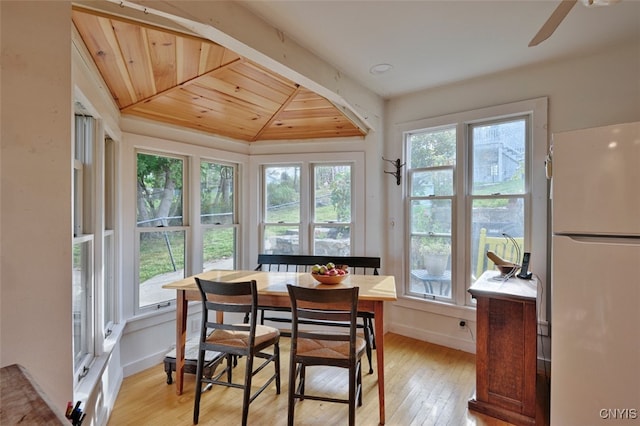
{"points": [[272, 291]]}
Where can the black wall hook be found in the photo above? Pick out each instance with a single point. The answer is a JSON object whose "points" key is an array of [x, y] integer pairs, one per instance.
{"points": [[398, 166]]}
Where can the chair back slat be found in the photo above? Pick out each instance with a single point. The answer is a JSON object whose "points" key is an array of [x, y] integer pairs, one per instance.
{"points": [[500, 246], [231, 297], [302, 263], [334, 305]]}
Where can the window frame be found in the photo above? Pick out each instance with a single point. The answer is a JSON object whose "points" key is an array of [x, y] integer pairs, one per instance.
{"points": [[452, 198], [305, 160], [95, 227], [470, 197], [185, 227], [235, 225], [462, 306], [314, 224]]}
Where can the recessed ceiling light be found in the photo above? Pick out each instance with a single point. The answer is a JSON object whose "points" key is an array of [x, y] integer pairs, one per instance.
{"points": [[380, 68]]}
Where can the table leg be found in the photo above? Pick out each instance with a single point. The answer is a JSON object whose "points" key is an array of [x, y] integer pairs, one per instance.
{"points": [[379, 331], [181, 336]]}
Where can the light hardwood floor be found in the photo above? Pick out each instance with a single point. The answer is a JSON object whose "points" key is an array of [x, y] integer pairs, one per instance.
{"points": [[426, 384]]}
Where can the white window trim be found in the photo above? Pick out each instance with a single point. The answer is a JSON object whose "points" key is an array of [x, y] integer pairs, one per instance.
{"points": [[256, 193], [131, 144], [538, 215]]}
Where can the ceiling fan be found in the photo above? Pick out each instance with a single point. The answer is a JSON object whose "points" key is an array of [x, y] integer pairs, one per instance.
{"points": [[559, 14]]}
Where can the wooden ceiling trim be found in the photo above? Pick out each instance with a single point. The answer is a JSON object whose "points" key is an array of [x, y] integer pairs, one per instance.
{"points": [[83, 12], [275, 115], [187, 81], [297, 114], [289, 133]]}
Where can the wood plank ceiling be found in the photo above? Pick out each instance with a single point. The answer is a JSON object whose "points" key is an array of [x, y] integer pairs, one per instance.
{"points": [[182, 80]]}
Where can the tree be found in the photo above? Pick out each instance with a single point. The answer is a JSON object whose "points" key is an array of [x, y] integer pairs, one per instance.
{"points": [[159, 182]]}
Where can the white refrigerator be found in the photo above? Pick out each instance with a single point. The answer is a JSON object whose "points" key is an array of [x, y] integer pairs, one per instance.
{"points": [[595, 278]]}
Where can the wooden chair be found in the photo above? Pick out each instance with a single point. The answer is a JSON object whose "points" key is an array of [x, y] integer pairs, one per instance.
{"points": [[328, 347], [500, 246], [247, 340], [303, 263]]}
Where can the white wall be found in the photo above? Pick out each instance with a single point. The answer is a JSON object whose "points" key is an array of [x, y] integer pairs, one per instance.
{"points": [[36, 119], [594, 90]]}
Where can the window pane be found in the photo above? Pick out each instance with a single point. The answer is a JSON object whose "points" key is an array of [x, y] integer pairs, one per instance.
{"points": [[432, 148], [218, 248], [430, 265], [159, 183], [432, 183], [217, 200], [81, 304], [161, 262], [491, 218], [282, 194], [332, 193], [280, 239], [332, 240], [499, 158], [109, 281], [431, 217]]}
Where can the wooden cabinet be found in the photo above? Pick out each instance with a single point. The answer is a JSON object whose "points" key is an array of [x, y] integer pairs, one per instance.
{"points": [[506, 350]]}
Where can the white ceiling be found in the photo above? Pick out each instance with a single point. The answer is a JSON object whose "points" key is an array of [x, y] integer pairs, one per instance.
{"points": [[432, 43]]}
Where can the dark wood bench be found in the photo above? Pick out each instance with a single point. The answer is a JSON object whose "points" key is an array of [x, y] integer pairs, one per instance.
{"points": [[304, 263]]}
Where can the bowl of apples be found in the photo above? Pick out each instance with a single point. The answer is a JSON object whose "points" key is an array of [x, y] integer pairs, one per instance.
{"points": [[329, 273]]}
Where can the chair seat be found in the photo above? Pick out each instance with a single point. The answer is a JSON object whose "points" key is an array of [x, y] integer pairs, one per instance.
{"points": [[328, 348], [240, 339]]}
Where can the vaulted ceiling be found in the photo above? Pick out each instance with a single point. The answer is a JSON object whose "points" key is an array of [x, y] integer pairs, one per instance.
{"points": [[183, 80]]}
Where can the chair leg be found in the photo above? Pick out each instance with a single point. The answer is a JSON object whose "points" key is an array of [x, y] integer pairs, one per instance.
{"points": [[303, 373], [196, 406], [352, 395], [369, 343], [247, 390], [231, 360], [293, 373], [276, 351], [371, 332], [359, 383]]}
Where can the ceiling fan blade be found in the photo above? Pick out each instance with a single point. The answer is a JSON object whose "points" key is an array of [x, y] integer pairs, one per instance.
{"points": [[552, 23]]}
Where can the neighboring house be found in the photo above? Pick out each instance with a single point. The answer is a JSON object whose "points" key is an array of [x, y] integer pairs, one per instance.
{"points": [[41, 77]]}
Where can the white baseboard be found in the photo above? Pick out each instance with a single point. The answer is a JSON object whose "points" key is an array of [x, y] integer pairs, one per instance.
{"points": [[435, 338], [144, 364]]}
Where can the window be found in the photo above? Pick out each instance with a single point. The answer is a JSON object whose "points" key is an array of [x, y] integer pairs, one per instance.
{"points": [[470, 180], [94, 297], [324, 211], [83, 250], [218, 216], [281, 210], [160, 227], [310, 205], [432, 162], [498, 193], [332, 209], [109, 293]]}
